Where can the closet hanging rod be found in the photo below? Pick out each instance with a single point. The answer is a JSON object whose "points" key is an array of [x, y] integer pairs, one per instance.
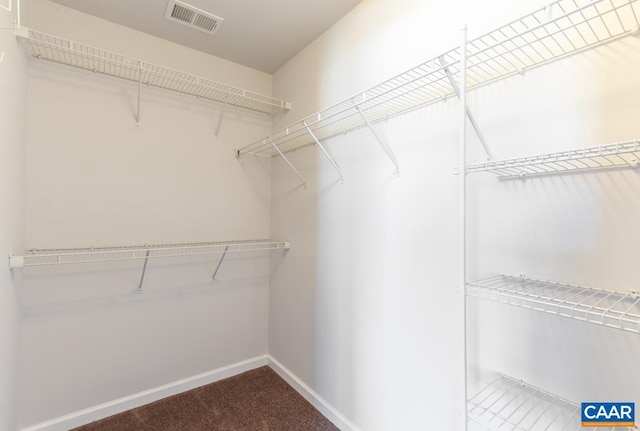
{"points": [[52, 48], [45, 257]]}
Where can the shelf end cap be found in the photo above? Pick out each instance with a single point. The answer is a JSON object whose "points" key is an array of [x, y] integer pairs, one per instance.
{"points": [[16, 261]]}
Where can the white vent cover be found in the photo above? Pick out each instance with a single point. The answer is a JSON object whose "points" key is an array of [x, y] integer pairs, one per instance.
{"points": [[192, 16]]}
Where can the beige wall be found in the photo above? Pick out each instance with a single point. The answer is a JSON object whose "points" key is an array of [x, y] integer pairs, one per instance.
{"points": [[94, 178]]}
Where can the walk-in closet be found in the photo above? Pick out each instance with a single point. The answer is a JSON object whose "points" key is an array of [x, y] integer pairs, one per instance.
{"points": [[373, 215]]}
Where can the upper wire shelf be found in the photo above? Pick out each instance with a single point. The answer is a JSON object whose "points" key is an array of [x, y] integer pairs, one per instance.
{"points": [[620, 310], [508, 404], [618, 155], [142, 252], [561, 29], [52, 48]]}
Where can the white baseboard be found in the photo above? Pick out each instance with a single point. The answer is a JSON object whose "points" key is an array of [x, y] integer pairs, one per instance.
{"points": [[101, 411], [310, 395]]}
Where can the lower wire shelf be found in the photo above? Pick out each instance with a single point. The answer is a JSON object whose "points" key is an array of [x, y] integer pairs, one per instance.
{"points": [[44, 257], [620, 310], [610, 156], [508, 404]]}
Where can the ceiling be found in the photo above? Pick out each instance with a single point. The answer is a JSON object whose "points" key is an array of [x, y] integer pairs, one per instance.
{"points": [[261, 34]]}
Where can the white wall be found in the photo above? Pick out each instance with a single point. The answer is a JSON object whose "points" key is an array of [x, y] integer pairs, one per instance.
{"points": [[12, 143], [578, 228], [95, 179], [365, 308]]}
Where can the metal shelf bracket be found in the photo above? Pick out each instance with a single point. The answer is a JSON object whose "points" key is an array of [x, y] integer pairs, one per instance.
{"points": [[144, 270], [304, 182], [324, 151], [470, 116], [382, 144], [224, 107], [215, 272]]}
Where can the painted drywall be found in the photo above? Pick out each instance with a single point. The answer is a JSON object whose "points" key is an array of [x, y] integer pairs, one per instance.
{"points": [[577, 228], [95, 178], [366, 309], [12, 166]]}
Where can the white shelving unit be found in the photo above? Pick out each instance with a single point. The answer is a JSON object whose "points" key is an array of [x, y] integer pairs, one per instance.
{"points": [[620, 310], [510, 404], [78, 256], [47, 47], [563, 28], [612, 156], [69, 256]]}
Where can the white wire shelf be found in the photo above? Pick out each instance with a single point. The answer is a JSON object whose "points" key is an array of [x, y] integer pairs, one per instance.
{"points": [[563, 28], [52, 48], [618, 155], [508, 404], [46, 257], [620, 310]]}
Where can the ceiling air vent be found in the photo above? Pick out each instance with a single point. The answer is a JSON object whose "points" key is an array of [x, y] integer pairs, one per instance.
{"points": [[192, 16]]}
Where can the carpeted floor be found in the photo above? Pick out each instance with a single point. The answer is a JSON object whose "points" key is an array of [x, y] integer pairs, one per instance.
{"points": [[258, 400]]}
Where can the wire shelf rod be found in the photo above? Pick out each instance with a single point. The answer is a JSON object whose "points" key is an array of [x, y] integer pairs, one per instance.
{"points": [[296, 131], [519, 406], [561, 29], [530, 30], [617, 155], [342, 130], [544, 59], [111, 254], [346, 107], [52, 48], [614, 309]]}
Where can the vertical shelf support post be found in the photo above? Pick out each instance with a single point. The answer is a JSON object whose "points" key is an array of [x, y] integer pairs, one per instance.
{"points": [[464, 113], [215, 272], [144, 270], [139, 90], [326, 154], [467, 111], [382, 144], [304, 183]]}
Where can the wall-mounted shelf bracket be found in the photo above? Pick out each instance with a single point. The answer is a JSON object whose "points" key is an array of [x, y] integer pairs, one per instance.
{"points": [[382, 144], [215, 272], [470, 116], [144, 270], [275, 147], [324, 151], [224, 108]]}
